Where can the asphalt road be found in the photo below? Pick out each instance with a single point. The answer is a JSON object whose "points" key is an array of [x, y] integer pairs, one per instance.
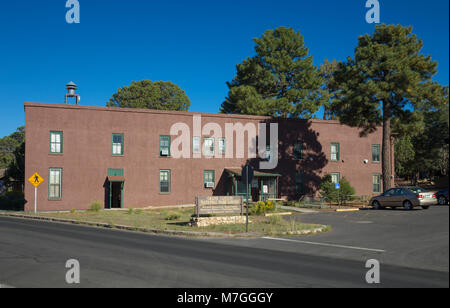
{"points": [[411, 246]]}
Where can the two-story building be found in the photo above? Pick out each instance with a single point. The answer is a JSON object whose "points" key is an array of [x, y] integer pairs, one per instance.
{"points": [[131, 158]]}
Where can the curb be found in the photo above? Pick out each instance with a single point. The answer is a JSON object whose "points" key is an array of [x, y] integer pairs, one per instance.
{"points": [[278, 214], [347, 210], [158, 231], [320, 229], [123, 228]]}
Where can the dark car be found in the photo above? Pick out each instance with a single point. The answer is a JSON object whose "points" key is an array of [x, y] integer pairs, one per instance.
{"points": [[406, 197], [442, 197]]}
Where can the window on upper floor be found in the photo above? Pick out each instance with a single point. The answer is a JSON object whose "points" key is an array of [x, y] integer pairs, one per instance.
{"points": [[117, 144], [298, 150], [376, 153], [196, 145], [208, 147], [56, 142], [164, 146], [335, 151], [222, 146]]}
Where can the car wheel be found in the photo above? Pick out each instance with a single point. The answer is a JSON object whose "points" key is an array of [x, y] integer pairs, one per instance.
{"points": [[442, 200], [407, 205], [376, 205], [425, 207]]}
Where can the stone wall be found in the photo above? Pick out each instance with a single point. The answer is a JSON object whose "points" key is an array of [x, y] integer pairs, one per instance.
{"points": [[224, 220]]}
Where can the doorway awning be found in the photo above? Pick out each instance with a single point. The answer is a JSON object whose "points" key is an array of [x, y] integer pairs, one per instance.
{"points": [[113, 179], [237, 172]]}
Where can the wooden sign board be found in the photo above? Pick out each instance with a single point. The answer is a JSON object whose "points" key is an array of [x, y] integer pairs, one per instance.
{"points": [[218, 205]]}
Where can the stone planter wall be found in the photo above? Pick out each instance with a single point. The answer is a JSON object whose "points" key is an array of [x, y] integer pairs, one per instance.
{"points": [[225, 220]]}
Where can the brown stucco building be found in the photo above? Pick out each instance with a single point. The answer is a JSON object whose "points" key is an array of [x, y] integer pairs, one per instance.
{"points": [[122, 157]]}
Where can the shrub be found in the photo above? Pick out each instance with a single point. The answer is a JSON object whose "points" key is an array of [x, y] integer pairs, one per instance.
{"points": [[12, 201], [173, 217], [95, 206], [130, 211], [261, 207], [340, 196]]}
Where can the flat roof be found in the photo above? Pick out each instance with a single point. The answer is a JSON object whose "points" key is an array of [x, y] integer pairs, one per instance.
{"points": [[170, 112]]}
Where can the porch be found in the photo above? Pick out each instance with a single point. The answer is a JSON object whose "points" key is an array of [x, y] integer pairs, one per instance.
{"points": [[264, 185]]}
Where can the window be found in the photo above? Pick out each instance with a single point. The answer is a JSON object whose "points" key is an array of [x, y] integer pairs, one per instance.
{"points": [[208, 147], [300, 182], [268, 153], [56, 142], [164, 181], [336, 178], [376, 183], [196, 145], [117, 144], [298, 150], [335, 152], [164, 146], [54, 183], [209, 177], [222, 146], [376, 153]]}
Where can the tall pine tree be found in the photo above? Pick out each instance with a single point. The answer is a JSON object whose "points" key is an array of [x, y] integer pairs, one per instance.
{"points": [[279, 81], [387, 78]]}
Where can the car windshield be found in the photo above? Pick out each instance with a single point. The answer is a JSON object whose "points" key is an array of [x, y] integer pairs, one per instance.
{"points": [[417, 190]]}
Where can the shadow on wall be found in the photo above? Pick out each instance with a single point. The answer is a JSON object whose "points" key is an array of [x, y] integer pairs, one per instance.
{"points": [[308, 168]]}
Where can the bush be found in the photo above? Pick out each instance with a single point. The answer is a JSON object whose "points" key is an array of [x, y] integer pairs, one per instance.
{"points": [[12, 201], [261, 207], [173, 217], [339, 196], [95, 206]]}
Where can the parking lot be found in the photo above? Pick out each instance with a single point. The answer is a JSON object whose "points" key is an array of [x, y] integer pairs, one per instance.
{"points": [[416, 239]]}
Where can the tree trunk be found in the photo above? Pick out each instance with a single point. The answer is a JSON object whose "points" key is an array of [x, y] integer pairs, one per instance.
{"points": [[386, 151]]}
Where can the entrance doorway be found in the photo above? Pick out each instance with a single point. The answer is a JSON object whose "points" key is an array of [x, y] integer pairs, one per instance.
{"points": [[116, 195]]}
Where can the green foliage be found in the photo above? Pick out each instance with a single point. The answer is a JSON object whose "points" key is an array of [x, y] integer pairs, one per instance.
{"points": [[172, 216], [16, 168], [147, 94], [12, 201], [95, 206], [341, 195], [8, 145], [261, 207], [130, 211], [327, 70], [280, 80], [387, 74]]}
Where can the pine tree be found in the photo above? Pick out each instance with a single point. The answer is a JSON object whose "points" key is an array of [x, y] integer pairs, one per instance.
{"points": [[387, 76]]}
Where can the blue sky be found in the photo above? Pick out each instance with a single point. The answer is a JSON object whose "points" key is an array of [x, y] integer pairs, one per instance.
{"points": [[193, 43]]}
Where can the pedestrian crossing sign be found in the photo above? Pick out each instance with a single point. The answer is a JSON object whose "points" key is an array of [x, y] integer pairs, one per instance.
{"points": [[36, 180]]}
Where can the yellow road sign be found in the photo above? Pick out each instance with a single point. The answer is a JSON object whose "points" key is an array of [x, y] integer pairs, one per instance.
{"points": [[36, 180]]}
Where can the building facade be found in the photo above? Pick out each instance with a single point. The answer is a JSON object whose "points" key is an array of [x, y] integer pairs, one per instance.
{"points": [[129, 158]]}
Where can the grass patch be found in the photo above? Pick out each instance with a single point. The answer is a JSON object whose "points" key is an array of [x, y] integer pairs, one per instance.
{"points": [[178, 220]]}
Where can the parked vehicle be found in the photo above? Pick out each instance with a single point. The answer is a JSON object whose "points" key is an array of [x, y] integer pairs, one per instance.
{"points": [[442, 197], [406, 197]]}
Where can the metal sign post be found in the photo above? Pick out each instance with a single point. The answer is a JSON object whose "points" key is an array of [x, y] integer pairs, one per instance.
{"points": [[35, 180], [338, 187], [247, 173]]}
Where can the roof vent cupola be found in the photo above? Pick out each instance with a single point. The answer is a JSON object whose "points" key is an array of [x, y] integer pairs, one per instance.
{"points": [[71, 88]]}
